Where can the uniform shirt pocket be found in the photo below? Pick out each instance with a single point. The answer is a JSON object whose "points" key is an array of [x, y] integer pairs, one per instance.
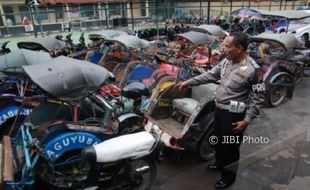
{"points": [[236, 82]]}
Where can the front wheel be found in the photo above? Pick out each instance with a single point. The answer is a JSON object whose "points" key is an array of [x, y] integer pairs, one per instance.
{"points": [[70, 171], [277, 93], [206, 150], [144, 171]]}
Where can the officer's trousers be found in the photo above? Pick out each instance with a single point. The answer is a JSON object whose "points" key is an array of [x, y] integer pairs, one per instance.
{"points": [[227, 149]]}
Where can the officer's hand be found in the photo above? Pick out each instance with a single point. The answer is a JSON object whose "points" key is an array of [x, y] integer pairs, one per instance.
{"points": [[240, 126], [181, 85]]}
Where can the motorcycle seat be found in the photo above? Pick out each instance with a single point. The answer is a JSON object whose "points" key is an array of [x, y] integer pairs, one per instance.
{"points": [[118, 148]]}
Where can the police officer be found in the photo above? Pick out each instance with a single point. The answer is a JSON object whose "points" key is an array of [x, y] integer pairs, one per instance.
{"points": [[238, 99]]}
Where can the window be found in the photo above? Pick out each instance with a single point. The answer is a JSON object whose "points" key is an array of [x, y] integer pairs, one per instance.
{"points": [[87, 10], [8, 11], [143, 8], [42, 13], [115, 9], [59, 12]]}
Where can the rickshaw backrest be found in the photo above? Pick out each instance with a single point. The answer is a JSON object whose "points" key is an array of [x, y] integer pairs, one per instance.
{"points": [[201, 91], [187, 105]]}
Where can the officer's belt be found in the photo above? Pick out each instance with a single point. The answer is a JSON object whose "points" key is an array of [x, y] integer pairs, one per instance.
{"points": [[222, 106]]}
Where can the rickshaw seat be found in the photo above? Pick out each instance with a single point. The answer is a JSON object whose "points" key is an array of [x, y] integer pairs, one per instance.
{"points": [[186, 106]]}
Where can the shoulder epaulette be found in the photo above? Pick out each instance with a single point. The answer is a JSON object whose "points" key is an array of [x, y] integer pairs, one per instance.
{"points": [[254, 64]]}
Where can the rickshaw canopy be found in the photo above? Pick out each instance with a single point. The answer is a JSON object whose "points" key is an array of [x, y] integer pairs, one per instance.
{"points": [[106, 34], [131, 41], [198, 38], [42, 43], [68, 79], [13, 62], [287, 14], [213, 30], [247, 12], [288, 41]]}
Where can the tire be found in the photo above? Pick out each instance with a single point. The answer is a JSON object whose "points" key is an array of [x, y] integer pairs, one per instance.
{"points": [[206, 151], [277, 94], [144, 180], [67, 174]]}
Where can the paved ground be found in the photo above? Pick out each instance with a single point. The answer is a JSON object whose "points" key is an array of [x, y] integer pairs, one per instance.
{"points": [[282, 163]]}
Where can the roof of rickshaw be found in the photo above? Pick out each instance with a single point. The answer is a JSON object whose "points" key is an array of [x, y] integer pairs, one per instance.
{"points": [[66, 78], [287, 14], [13, 61], [198, 38], [42, 43], [106, 34], [131, 41], [210, 29], [287, 40]]}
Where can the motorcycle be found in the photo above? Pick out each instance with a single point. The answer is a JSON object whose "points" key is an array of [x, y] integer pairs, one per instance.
{"points": [[48, 144]]}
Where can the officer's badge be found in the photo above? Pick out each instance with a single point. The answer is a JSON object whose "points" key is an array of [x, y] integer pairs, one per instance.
{"points": [[242, 70]]}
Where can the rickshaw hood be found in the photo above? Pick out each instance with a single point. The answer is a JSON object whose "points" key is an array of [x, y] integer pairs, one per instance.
{"points": [[13, 62], [68, 79], [288, 41], [45, 43], [198, 38]]}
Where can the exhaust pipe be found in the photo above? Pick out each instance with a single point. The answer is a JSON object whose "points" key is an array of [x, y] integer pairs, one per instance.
{"points": [[143, 169]]}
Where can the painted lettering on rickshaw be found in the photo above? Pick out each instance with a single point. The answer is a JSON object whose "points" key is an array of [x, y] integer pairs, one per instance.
{"points": [[76, 139], [69, 142], [6, 115]]}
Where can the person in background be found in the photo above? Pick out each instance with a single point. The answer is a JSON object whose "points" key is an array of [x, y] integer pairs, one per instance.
{"points": [[25, 21]]}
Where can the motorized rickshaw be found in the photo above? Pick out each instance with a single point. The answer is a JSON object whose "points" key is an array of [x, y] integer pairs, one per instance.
{"points": [[276, 54], [72, 115], [183, 117], [198, 46], [15, 85]]}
